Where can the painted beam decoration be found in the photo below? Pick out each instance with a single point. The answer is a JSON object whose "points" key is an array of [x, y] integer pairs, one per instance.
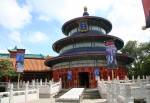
{"points": [[111, 54], [146, 7], [19, 62]]}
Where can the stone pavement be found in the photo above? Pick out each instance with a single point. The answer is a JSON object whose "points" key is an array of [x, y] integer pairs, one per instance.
{"points": [[44, 100], [52, 100], [89, 97]]}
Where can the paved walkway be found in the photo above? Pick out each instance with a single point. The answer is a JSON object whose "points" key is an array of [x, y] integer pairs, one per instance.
{"points": [[44, 100], [48, 100], [73, 94], [73, 91]]}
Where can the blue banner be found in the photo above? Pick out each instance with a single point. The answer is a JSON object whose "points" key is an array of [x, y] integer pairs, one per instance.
{"points": [[19, 62], [96, 72], [69, 75], [19, 57], [111, 55]]}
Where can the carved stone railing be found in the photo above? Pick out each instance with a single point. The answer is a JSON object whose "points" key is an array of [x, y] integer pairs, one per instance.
{"points": [[21, 96], [124, 91]]}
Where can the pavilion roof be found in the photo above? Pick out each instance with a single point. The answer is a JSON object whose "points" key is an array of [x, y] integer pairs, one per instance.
{"points": [[30, 64], [86, 55]]}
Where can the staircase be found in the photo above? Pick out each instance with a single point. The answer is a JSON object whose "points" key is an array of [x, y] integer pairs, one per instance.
{"points": [[91, 94], [63, 91]]}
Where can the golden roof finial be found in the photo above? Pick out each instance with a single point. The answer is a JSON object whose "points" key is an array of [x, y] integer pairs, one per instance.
{"points": [[85, 11]]}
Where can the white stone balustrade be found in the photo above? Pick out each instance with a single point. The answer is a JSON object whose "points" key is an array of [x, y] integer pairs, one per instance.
{"points": [[50, 88], [22, 96], [125, 91]]}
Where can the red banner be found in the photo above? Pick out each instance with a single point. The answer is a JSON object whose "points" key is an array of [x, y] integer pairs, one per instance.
{"points": [[146, 7]]}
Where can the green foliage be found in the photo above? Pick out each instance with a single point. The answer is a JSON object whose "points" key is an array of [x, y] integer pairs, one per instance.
{"points": [[7, 69], [141, 53]]}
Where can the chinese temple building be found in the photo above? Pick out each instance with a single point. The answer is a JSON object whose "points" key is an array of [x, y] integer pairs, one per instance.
{"points": [[33, 67], [84, 50]]}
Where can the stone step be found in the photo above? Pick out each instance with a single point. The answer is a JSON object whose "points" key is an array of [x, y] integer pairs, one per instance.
{"points": [[94, 101], [63, 91], [91, 94]]}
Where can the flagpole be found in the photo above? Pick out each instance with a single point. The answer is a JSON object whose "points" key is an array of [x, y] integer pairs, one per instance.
{"points": [[112, 71], [18, 81]]}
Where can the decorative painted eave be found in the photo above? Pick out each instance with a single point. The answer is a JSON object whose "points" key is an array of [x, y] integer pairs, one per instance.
{"points": [[83, 55], [58, 45]]}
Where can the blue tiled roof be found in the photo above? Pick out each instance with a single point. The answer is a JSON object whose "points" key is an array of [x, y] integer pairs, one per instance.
{"points": [[6, 55], [34, 56]]}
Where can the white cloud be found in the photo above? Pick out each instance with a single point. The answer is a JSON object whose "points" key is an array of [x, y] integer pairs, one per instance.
{"points": [[64, 10], [12, 16], [14, 39], [127, 16], [38, 37], [45, 18], [15, 36], [3, 50]]}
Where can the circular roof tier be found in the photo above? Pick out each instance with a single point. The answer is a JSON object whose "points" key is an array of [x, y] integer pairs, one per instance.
{"points": [[58, 45], [85, 55], [91, 20]]}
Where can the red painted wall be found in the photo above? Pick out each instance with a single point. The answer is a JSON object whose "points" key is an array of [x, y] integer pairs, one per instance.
{"points": [[104, 73]]}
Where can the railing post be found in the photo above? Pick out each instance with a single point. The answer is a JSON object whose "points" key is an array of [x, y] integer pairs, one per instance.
{"points": [[33, 83], [80, 98], [40, 82], [37, 82], [147, 79], [143, 77], [126, 79], [117, 78], [8, 86], [60, 85], [45, 81], [52, 80], [108, 78], [11, 94], [128, 95], [37, 91], [50, 85], [26, 92], [24, 83], [21, 83], [147, 93], [139, 82], [133, 78]]}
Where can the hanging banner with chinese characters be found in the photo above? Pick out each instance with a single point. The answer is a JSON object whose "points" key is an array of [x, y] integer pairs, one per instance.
{"points": [[20, 62], [96, 72], [69, 75], [146, 7], [111, 54]]}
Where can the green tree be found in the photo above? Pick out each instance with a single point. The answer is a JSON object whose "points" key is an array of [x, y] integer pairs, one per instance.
{"points": [[141, 53], [145, 57], [6, 69]]}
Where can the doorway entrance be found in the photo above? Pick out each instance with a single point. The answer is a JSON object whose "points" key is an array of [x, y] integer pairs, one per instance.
{"points": [[83, 79]]}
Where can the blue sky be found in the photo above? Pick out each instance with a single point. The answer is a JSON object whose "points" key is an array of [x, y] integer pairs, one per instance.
{"points": [[36, 24]]}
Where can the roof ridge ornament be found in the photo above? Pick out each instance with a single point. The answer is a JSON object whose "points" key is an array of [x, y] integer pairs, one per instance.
{"points": [[85, 12]]}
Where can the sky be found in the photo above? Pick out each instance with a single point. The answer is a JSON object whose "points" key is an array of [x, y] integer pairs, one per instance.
{"points": [[35, 25]]}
